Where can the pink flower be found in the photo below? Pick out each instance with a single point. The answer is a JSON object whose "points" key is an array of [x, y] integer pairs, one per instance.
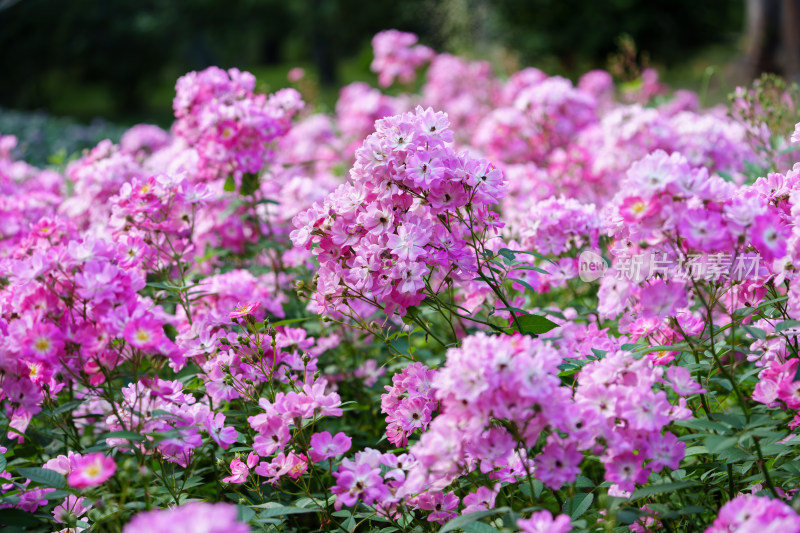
{"points": [[398, 56], [292, 465], [558, 463], [222, 435], [71, 506], [682, 381], [443, 505], [90, 470], [408, 242], [324, 446], [769, 235], [359, 479], [626, 470], [748, 513], [636, 208], [144, 332], [296, 74], [543, 522], [245, 309], [44, 341], [661, 299], [480, 500], [239, 472], [189, 518]]}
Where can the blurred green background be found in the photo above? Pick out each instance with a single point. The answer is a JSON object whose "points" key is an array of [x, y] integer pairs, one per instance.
{"points": [[119, 59]]}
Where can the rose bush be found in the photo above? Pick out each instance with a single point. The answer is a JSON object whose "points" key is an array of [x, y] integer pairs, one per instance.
{"points": [[494, 305]]}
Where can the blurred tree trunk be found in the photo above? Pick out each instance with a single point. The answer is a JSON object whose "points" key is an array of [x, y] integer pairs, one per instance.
{"points": [[773, 41]]}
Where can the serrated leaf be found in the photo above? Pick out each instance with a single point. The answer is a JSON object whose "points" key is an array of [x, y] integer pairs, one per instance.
{"points": [[44, 476]]}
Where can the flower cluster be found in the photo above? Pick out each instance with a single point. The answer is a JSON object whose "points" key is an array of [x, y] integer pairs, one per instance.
{"points": [[397, 55], [413, 204], [229, 125], [222, 311], [409, 403], [755, 513], [190, 517], [618, 411], [159, 406]]}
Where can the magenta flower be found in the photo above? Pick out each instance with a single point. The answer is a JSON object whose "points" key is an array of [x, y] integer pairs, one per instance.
{"points": [[324, 446], [543, 522], [222, 435], [239, 472], [143, 332], [244, 310], [189, 518], [72, 506], [90, 470], [755, 513]]}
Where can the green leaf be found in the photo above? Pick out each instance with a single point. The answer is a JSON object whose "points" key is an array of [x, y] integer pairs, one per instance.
{"points": [[244, 513], [127, 435], [505, 252], [3, 463], [289, 321], [786, 324], [479, 527], [56, 495], [758, 333], [170, 331], [628, 516], [578, 504], [44, 476], [524, 284], [281, 511], [460, 521], [719, 443], [250, 184], [704, 424], [661, 488], [230, 184], [17, 517], [535, 269], [631, 347], [534, 324]]}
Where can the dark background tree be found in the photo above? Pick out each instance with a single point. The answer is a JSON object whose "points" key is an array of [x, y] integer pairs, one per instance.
{"points": [[127, 51]]}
